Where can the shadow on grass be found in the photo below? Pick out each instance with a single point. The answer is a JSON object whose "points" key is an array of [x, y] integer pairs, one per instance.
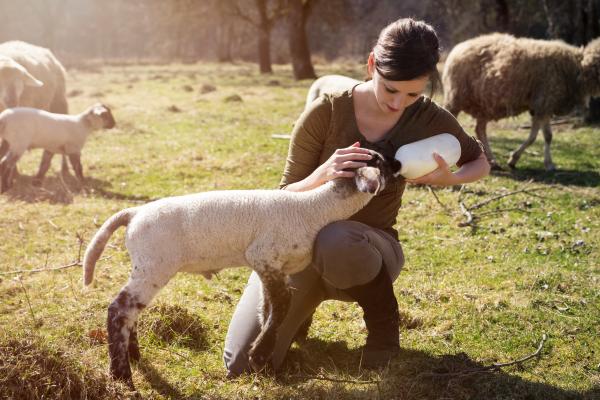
{"points": [[558, 177], [411, 375], [156, 381], [62, 189]]}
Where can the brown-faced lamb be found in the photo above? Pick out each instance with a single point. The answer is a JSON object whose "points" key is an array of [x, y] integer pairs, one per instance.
{"points": [[30, 76], [497, 75], [25, 128], [271, 231], [329, 84]]}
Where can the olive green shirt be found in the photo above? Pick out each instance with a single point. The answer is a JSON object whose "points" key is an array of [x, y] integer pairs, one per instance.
{"points": [[330, 123]]}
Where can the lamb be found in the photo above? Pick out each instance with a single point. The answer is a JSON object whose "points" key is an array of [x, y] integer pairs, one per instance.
{"points": [[497, 75], [25, 128], [30, 76], [329, 84], [271, 231]]}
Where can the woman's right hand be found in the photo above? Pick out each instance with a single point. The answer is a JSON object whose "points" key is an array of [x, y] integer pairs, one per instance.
{"points": [[351, 157]]}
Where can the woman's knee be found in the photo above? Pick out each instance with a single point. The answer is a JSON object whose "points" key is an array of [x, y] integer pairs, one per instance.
{"points": [[350, 253]]}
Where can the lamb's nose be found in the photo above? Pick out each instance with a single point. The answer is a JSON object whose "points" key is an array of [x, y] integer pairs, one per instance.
{"points": [[373, 186]]}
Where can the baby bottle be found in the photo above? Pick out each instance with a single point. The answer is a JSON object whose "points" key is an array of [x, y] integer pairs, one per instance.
{"points": [[417, 157]]}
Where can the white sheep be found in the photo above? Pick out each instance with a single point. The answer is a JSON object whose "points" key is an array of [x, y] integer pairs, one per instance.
{"points": [[329, 84], [497, 75], [25, 128], [271, 231], [30, 76]]}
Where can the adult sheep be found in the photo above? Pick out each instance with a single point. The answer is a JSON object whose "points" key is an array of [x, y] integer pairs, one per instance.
{"points": [[497, 75], [30, 76], [329, 84]]}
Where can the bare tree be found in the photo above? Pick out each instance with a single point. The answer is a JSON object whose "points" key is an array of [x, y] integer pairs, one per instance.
{"points": [[267, 12], [298, 13]]}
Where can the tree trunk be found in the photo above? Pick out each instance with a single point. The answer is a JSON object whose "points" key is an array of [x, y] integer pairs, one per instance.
{"points": [[264, 51], [298, 13], [264, 38]]}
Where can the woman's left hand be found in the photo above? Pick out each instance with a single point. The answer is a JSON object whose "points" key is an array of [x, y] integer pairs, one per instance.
{"points": [[442, 176]]}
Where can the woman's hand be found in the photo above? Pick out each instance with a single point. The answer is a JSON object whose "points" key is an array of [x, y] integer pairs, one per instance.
{"points": [[351, 157], [442, 176]]}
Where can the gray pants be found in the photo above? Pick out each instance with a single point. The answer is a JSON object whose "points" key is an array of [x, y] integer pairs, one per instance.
{"points": [[346, 254]]}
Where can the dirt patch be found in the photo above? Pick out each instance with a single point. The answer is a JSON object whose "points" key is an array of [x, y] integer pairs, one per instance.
{"points": [[174, 324], [31, 370]]}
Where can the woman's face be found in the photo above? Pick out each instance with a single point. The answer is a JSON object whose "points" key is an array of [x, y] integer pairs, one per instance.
{"points": [[394, 96]]}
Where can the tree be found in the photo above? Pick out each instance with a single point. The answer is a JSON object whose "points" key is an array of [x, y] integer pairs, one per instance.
{"points": [[268, 12], [298, 13]]}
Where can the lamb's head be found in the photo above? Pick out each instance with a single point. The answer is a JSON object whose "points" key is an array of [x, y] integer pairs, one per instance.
{"points": [[99, 116], [374, 176], [13, 80], [591, 67]]}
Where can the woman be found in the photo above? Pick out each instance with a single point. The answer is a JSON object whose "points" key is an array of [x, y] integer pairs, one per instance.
{"points": [[357, 260]]}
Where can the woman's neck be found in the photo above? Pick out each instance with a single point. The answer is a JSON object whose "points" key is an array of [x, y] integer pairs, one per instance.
{"points": [[373, 123]]}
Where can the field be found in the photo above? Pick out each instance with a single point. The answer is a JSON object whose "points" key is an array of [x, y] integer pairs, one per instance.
{"points": [[470, 296]]}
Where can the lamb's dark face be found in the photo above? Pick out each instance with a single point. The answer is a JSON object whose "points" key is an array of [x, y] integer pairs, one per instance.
{"points": [[103, 112], [379, 170]]}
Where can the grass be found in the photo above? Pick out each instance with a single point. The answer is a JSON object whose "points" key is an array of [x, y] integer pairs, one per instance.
{"points": [[469, 296]]}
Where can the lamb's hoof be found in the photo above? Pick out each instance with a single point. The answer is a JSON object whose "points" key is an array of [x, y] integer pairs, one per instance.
{"points": [[259, 363]]}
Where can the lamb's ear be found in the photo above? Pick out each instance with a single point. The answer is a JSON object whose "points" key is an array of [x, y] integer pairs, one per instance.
{"points": [[29, 80], [396, 167]]}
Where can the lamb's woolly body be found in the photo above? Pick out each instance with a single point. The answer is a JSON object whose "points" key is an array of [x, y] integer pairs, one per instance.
{"points": [[497, 75], [193, 233], [329, 84], [42, 64], [26, 128]]}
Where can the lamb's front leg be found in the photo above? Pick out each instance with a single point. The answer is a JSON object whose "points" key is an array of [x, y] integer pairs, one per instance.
{"points": [[76, 164], [44, 165], [276, 295]]}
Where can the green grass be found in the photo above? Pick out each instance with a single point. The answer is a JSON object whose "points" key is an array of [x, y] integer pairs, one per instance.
{"points": [[470, 296]]}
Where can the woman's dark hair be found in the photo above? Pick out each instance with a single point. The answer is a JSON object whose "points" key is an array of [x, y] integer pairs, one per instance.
{"points": [[408, 49]]}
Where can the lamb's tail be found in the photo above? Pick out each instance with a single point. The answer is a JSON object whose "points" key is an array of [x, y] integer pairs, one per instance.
{"points": [[96, 246]]}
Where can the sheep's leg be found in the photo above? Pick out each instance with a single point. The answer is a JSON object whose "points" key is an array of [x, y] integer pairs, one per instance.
{"points": [[515, 155], [64, 167], [548, 164], [44, 165], [121, 321], [4, 147], [76, 164], [480, 130], [134, 346], [276, 296], [7, 165]]}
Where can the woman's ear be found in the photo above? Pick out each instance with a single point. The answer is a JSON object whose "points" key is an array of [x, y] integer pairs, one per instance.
{"points": [[371, 65]]}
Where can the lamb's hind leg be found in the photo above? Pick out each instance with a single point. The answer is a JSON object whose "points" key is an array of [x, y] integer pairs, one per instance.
{"points": [[8, 166], [548, 164], [276, 296], [121, 324]]}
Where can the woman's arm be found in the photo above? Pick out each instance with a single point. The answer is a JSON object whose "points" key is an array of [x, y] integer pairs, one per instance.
{"points": [[442, 176], [334, 167]]}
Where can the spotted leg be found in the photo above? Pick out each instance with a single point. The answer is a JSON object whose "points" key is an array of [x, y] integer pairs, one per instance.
{"points": [[276, 298], [548, 164], [480, 130], [515, 155]]}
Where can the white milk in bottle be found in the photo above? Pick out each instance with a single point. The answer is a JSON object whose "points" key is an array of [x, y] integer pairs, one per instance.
{"points": [[417, 157]]}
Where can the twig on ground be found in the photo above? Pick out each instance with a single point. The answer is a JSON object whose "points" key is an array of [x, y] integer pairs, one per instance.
{"points": [[432, 191], [325, 378], [28, 301], [467, 213], [488, 368], [485, 202]]}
